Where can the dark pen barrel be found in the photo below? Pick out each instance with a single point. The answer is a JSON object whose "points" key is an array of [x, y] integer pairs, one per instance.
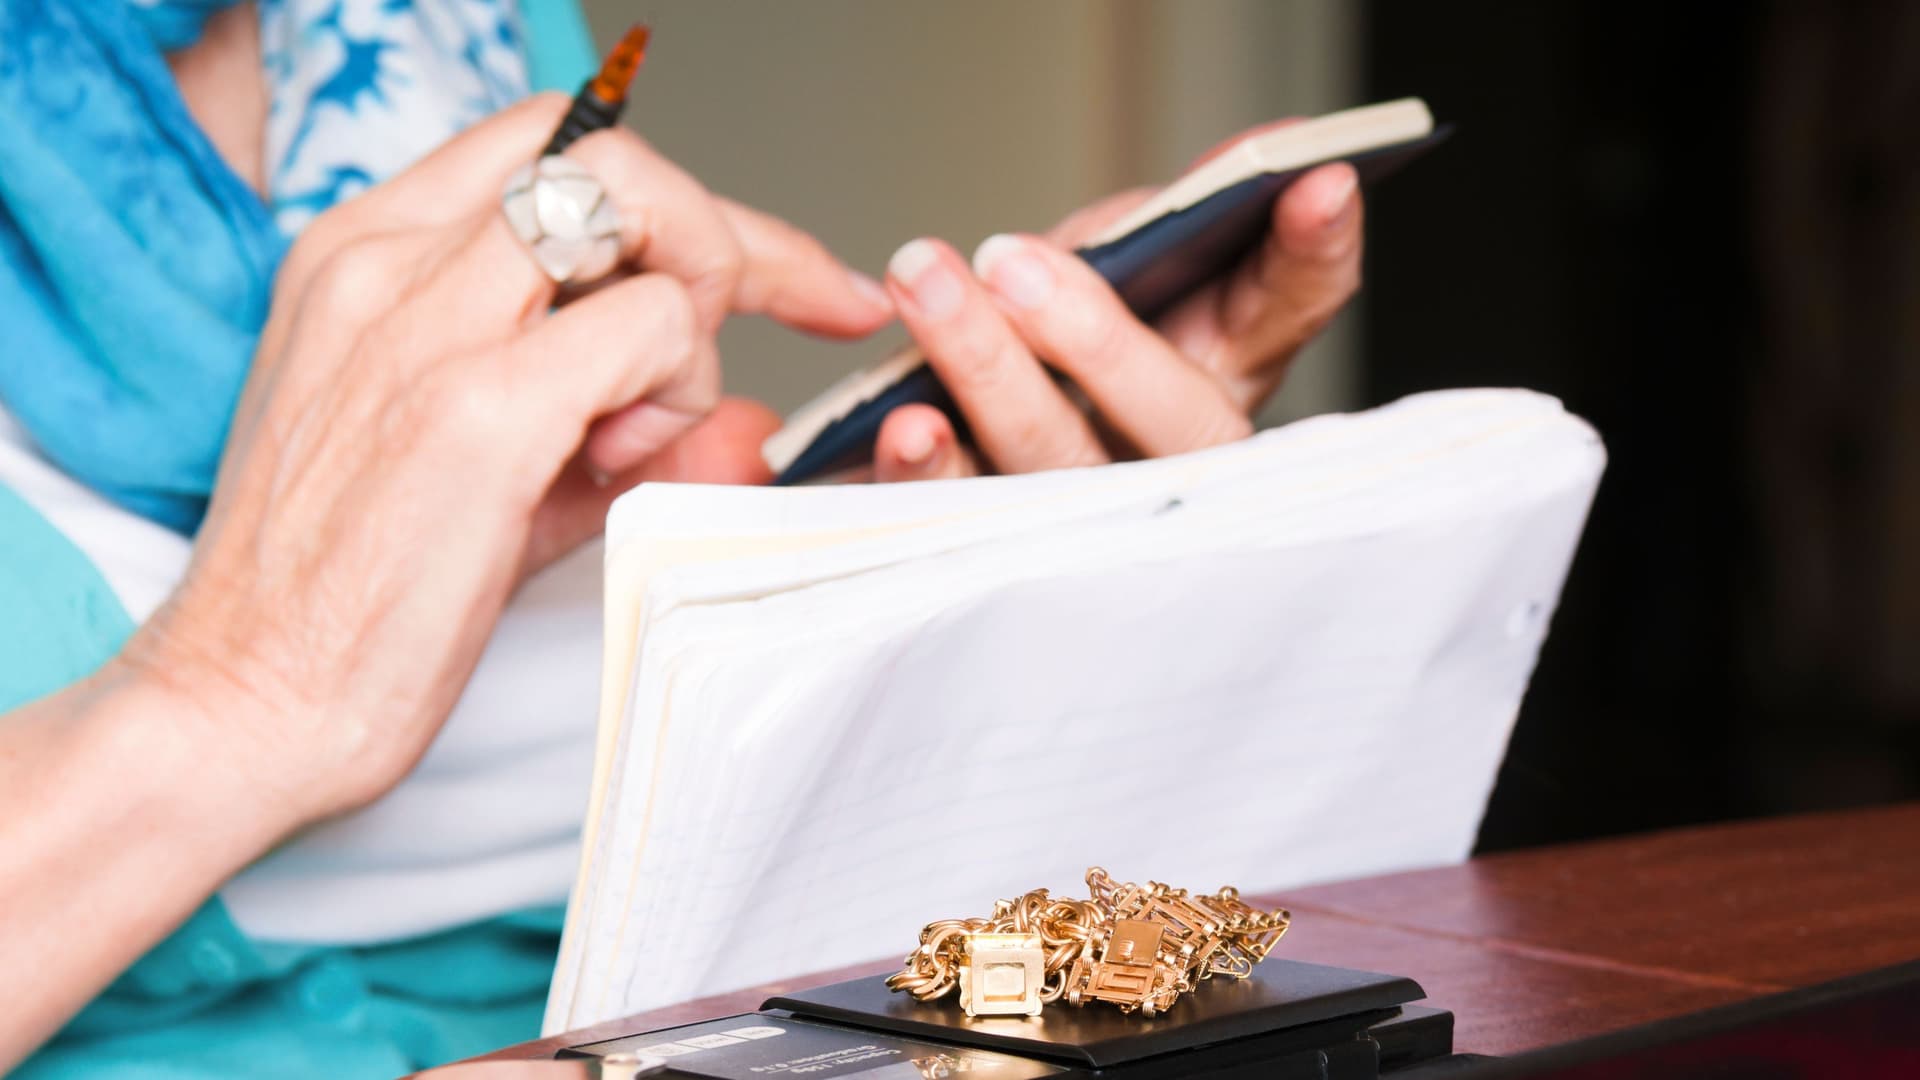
{"points": [[587, 114]]}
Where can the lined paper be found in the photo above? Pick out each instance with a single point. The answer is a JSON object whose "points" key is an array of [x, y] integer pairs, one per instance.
{"points": [[834, 714]]}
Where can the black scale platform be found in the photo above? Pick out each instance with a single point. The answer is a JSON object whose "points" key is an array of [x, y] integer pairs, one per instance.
{"points": [[1289, 1020]]}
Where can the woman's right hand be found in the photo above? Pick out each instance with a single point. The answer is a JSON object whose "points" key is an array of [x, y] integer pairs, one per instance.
{"points": [[419, 431]]}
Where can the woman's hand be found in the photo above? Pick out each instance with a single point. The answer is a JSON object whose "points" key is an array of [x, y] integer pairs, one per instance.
{"points": [[1027, 305], [419, 431]]}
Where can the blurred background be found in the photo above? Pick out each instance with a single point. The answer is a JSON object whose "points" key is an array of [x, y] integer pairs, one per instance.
{"points": [[1698, 225]]}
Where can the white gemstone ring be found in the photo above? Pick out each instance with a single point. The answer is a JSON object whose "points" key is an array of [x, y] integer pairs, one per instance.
{"points": [[557, 208]]}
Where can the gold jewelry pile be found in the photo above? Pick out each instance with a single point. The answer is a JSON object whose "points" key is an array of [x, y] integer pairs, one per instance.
{"points": [[1131, 947]]}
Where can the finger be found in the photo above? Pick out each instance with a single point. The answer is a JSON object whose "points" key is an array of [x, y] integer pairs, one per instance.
{"points": [[1079, 228], [917, 442], [787, 274], [1145, 389], [716, 451], [730, 258], [723, 448], [480, 286], [793, 278], [489, 286], [674, 225], [1303, 274], [632, 348], [1020, 418]]}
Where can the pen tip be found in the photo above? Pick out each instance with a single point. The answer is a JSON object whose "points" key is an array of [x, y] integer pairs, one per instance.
{"points": [[617, 73]]}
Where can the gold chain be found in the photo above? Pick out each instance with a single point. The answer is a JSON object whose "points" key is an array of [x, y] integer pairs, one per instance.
{"points": [[1132, 947]]}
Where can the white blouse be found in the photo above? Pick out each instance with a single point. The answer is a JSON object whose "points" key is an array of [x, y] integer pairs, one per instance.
{"points": [[487, 823]]}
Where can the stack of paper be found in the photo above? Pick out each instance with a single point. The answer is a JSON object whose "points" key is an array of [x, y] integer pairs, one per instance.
{"points": [[831, 715]]}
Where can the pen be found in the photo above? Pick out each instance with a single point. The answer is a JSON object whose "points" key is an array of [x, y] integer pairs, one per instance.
{"points": [[599, 102]]}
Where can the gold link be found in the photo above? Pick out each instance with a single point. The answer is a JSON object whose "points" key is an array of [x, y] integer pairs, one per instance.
{"points": [[1138, 949]]}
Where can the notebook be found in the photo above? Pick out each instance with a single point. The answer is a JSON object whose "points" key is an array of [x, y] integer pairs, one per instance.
{"points": [[833, 714], [1187, 234]]}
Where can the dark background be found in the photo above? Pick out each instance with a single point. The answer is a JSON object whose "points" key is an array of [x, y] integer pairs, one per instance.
{"points": [[1698, 225]]}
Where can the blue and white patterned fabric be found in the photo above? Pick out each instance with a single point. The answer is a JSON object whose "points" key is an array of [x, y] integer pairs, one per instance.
{"points": [[361, 89]]}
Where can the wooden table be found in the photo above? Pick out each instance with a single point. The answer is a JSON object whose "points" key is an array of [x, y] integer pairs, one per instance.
{"points": [[1538, 947]]}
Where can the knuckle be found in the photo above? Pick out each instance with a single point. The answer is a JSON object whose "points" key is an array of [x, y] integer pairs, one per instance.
{"points": [[1050, 445], [1095, 339], [354, 282], [470, 411], [669, 304], [619, 158], [978, 371], [1038, 441], [716, 280], [614, 140]]}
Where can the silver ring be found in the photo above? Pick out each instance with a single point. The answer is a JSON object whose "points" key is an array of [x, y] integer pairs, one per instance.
{"points": [[563, 216]]}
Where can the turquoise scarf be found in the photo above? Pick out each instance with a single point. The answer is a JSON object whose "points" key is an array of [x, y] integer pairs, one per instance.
{"points": [[138, 268]]}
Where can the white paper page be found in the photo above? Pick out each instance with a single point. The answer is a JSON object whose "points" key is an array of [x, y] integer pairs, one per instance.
{"points": [[868, 539], [1345, 651], [678, 543], [857, 827]]}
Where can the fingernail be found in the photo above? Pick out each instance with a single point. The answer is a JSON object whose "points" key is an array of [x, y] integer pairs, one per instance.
{"points": [[1340, 199], [933, 284], [870, 290], [916, 447], [1009, 268]]}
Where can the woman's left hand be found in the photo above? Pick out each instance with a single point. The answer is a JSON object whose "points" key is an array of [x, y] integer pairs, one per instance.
{"points": [[1027, 305]]}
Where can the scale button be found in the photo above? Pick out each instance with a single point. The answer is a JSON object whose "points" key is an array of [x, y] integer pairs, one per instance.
{"points": [[708, 1042]]}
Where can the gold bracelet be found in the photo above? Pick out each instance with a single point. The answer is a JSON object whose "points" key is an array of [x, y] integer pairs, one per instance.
{"points": [[1132, 947]]}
